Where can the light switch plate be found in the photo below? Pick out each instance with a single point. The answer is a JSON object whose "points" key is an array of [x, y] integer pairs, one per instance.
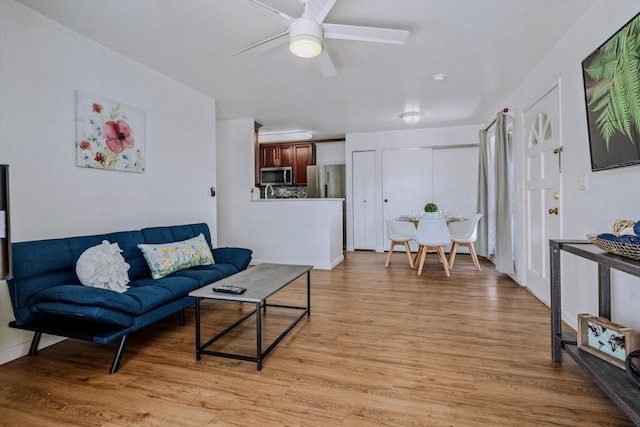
{"points": [[583, 182]]}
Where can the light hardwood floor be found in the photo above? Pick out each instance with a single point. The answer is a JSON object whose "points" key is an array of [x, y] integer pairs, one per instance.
{"points": [[382, 347]]}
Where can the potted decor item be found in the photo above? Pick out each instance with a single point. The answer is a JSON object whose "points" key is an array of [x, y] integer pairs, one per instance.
{"points": [[431, 209]]}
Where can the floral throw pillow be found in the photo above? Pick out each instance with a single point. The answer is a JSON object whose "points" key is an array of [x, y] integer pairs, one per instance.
{"points": [[167, 258], [103, 266]]}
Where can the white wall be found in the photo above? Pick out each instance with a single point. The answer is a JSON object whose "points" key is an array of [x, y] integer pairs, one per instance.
{"points": [[299, 231], [612, 194], [41, 66], [330, 153], [379, 141]]}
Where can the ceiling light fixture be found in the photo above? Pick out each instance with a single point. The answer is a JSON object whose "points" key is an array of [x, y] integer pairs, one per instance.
{"points": [[305, 38], [284, 136], [411, 117]]}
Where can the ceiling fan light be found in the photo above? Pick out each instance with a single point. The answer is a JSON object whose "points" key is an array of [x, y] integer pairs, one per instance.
{"points": [[412, 117], [305, 38], [305, 46]]}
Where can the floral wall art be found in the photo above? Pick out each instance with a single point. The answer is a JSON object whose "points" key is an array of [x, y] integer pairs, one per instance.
{"points": [[109, 135]]}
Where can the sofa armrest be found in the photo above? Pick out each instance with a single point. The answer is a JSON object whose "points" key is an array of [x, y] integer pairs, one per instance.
{"points": [[239, 257]]}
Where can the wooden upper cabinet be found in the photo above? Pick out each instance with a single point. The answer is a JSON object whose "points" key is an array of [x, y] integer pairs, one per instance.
{"points": [[303, 155], [275, 155], [286, 155], [269, 156], [297, 155]]}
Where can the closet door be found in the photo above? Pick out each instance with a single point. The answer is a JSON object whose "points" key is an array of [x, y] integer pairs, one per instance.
{"points": [[455, 179], [407, 182], [364, 209]]}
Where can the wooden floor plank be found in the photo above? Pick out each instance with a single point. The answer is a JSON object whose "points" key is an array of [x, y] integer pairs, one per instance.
{"points": [[383, 347]]}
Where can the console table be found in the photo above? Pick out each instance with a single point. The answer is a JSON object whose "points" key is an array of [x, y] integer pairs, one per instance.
{"points": [[611, 379]]}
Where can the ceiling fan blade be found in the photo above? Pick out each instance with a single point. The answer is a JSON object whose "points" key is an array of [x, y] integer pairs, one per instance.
{"points": [[266, 44], [365, 34], [283, 17], [325, 64], [319, 12]]}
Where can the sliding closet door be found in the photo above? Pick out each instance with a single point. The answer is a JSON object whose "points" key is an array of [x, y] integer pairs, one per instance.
{"points": [[407, 181]]}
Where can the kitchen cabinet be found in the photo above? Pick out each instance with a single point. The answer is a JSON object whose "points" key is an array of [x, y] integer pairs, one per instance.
{"points": [[274, 155], [302, 157], [297, 155]]}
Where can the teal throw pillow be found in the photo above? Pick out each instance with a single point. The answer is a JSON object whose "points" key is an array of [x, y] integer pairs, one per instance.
{"points": [[167, 258]]}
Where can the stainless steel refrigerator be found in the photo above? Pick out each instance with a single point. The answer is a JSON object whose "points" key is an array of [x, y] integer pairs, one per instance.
{"points": [[326, 181], [329, 181]]}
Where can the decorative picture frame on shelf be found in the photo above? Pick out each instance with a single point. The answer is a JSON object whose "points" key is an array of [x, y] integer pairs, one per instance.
{"points": [[605, 339]]}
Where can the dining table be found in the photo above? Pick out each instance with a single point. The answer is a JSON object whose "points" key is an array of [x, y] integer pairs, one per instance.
{"points": [[416, 220]]}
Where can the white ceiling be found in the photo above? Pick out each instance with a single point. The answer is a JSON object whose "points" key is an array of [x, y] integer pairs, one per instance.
{"points": [[485, 48]]}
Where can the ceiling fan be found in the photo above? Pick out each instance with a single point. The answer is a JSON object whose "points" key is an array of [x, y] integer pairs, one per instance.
{"points": [[306, 34]]}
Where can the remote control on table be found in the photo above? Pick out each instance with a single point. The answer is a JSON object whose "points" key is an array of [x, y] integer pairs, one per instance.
{"points": [[228, 289]]}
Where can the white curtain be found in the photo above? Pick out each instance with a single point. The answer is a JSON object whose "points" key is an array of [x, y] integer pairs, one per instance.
{"points": [[504, 258], [483, 194]]}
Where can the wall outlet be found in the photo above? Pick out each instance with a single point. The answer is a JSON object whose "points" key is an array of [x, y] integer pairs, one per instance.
{"points": [[583, 183]]}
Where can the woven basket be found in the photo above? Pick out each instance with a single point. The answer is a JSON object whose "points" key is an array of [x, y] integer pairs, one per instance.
{"points": [[623, 249], [623, 225]]}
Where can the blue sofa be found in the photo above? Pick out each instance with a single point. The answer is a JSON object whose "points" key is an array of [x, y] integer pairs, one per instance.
{"points": [[47, 296]]}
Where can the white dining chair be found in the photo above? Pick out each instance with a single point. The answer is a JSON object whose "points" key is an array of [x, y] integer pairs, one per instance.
{"points": [[399, 233], [466, 239], [432, 236]]}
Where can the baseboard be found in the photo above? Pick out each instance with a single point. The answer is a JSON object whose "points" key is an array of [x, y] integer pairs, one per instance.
{"points": [[22, 349], [330, 266]]}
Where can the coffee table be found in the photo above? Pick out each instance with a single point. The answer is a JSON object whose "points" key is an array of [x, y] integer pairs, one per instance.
{"points": [[261, 282]]}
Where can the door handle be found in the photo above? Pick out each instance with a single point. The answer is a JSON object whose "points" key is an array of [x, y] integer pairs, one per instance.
{"points": [[553, 211], [386, 200]]}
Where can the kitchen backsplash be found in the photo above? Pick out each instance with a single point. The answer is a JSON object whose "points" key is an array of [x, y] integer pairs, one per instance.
{"points": [[285, 192]]}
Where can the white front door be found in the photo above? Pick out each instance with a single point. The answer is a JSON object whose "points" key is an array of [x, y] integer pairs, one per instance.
{"points": [[543, 205]]}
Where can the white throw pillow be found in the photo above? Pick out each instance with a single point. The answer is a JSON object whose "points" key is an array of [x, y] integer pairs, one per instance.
{"points": [[103, 266]]}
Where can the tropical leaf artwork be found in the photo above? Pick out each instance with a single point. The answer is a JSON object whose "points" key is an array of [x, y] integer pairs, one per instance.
{"points": [[615, 97]]}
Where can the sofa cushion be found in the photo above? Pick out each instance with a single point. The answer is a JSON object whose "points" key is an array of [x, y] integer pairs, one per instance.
{"points": [[207, 274], [84, 313], [128, 242], [166, 258], [169, 288], [155, 235], [82, 295]]}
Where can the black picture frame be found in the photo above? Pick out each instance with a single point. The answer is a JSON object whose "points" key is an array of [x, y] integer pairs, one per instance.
{"points": [[614, 132]]}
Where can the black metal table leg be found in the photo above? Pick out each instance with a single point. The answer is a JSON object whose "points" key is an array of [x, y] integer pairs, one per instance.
{"points": [[258, 336], [556, 304], [198, 328], [309, 293]]}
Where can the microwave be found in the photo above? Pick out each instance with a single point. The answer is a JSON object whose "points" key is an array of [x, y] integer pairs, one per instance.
{"points": [[276, 176]]}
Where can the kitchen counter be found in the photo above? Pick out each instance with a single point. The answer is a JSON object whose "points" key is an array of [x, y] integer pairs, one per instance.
{"points": [[294, 199], [293, 231]]}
